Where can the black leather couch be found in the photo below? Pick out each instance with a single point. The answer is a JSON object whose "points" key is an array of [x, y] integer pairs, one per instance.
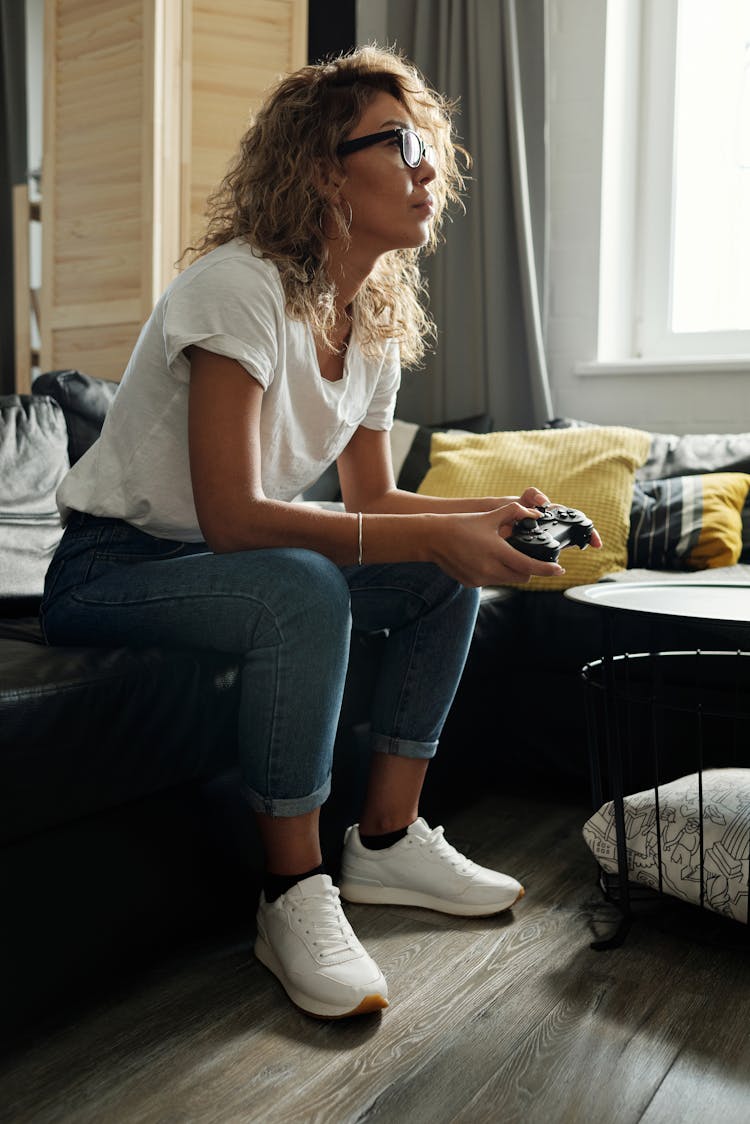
{"points": [[124, 831]]}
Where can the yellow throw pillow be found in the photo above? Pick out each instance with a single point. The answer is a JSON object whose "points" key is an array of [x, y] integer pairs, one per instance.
{"points": [[591, 469]]}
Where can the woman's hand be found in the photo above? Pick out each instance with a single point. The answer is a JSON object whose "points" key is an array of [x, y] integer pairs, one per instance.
{"points": [[471, 547], [533, 497]]}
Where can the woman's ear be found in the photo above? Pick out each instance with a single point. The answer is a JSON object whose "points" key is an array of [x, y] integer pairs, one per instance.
{"points": [[328, 180]]}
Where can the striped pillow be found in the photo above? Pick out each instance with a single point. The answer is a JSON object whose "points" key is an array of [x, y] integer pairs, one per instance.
{"points": [[687, 522]]}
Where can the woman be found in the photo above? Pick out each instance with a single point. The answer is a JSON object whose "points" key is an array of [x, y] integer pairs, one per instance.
{"points": [[276, 352]]}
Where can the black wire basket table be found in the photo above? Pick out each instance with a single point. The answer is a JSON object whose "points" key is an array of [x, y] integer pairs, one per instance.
{"points": [[669, 752], [669, 744]]}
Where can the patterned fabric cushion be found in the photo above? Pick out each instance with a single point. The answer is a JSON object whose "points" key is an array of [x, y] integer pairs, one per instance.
{"points": [[726, 839]]}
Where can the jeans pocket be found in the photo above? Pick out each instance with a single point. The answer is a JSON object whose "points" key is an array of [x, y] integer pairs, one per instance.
{"points": [[125, 545]]}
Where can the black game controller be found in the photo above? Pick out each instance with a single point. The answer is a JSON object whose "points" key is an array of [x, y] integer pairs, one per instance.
{"points": [[556, 528]]}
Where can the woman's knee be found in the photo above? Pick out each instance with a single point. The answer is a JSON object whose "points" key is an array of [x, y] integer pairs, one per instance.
{"points": [[438, 588], [308, 596], [460, 602]]}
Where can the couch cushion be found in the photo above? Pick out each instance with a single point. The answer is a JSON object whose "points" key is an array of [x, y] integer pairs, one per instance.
{"points": [[695, 453], [84, 401], [33, 461], [413, 465], [687, 455], [84, 729]]}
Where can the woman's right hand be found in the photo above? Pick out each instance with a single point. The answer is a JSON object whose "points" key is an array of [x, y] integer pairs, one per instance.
{"points": [[471, 547]]}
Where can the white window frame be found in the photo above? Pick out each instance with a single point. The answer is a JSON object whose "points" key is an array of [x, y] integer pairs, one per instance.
{"points": [[634, 322]]}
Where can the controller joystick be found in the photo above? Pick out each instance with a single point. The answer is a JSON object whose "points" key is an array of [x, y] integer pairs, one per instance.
{"points": [[555, 529]]}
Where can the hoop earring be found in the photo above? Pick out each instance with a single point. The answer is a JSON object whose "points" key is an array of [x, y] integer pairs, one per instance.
{"points": [[320, 218], [321, 221]]}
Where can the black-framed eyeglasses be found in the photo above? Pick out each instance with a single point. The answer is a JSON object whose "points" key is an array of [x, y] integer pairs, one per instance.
{"points": [[413, 148]]}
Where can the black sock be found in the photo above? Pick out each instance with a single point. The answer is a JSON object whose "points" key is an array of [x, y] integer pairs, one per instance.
{"points": [[274, 885], [380, 842]]}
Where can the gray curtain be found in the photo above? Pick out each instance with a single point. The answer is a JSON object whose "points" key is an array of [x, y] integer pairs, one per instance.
{"points": [[482, 361]]}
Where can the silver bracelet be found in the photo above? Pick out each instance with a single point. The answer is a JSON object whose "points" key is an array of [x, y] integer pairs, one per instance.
{"points": [[359, 538]]}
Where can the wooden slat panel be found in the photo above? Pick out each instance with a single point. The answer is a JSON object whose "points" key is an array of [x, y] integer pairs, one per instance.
{"points": [[103, 312], [144, 104], [99, 173], [102, 350], [98, 155], [239, 48]]}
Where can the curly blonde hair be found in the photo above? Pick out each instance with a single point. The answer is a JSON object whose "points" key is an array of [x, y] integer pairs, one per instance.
{"points": [[272, 197]]}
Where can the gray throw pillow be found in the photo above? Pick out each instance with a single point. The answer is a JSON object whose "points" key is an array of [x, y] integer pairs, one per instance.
{"points": [[33, 462]]}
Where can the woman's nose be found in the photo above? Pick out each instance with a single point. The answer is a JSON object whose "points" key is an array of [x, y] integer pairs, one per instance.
{"points": [[426, 171]]}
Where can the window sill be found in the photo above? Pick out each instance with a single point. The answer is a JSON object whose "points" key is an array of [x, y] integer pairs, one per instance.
{"points": [[682, 365]]}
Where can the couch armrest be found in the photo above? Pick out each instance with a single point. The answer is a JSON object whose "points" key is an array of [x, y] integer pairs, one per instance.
{"points": [[84, 400]]}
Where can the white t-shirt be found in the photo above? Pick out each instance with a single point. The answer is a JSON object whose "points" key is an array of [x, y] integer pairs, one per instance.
{"points": [[230, 302]]}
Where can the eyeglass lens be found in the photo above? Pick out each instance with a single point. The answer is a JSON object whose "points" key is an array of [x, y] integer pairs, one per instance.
{"points": [[411, 147]]}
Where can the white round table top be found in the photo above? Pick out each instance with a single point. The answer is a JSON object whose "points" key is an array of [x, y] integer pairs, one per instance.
{"points": [[699, 601]]}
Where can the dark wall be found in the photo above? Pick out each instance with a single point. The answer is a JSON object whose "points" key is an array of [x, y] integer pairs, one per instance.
{"points": [[331, 28], [12, 166]]}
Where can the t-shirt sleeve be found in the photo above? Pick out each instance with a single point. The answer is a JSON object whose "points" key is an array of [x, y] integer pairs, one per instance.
{"points": [[230, 308], [383, 402]]}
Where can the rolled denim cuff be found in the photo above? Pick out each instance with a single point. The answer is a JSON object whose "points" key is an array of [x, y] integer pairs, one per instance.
{"points": [[289, 805], [402, 747]]}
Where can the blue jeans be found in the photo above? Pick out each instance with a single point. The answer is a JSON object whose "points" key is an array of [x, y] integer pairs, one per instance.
{"points": [[287, 614]]}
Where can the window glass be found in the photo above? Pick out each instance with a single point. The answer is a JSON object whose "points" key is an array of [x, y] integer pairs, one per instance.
{"points": [[711, 218]]}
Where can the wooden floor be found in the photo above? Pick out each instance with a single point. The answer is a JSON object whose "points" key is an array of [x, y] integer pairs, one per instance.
{"points": [[511, 1019]]}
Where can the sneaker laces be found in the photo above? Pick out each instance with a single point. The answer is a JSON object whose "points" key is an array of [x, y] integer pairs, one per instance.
{"points": [[439, 845], [325, 921]]}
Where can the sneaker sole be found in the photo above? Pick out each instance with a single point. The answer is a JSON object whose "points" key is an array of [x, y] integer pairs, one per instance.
{"points": [[385, 895], [315, 1007]]}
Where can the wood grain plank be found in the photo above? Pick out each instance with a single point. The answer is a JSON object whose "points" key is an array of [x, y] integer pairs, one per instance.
{"points": [[710, 1078], [602, 1028]]}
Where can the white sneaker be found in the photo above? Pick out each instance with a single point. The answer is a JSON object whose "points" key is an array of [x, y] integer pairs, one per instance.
{"points": [[423, 869], [305, 939]]}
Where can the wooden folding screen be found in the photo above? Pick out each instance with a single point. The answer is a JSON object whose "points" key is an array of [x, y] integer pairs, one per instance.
{"points": [[144, 103]]}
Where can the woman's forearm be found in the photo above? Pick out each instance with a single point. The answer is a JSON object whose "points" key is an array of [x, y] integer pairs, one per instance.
{"points": [[399, 502], [386, 537]]}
